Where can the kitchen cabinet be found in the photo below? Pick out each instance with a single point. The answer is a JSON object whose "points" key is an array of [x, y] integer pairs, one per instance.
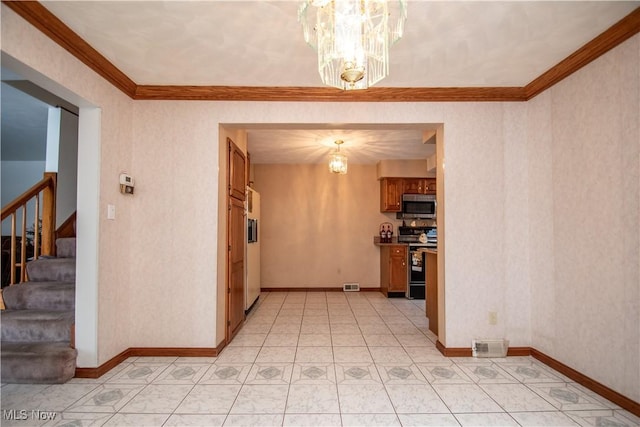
{"points": [[393, 269], [415, 185], [431, 299], [430, 186], [392, 189], [391, 194]]}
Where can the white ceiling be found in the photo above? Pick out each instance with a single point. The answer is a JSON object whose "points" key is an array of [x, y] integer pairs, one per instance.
{"points": [[364, 144], [260, 43]]}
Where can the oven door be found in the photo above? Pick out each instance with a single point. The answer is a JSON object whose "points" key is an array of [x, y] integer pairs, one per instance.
{"points": [[417, 272]]}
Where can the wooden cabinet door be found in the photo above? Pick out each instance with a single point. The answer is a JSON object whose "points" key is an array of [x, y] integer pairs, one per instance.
{"points": [[430, 186], [237, 172], [391, 194], [415, 185], [235, 240], [432, 292], [398, 269], [235, 288]]}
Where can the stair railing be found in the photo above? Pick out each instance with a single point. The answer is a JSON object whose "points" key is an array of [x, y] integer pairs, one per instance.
{"points": [[43, 196]]}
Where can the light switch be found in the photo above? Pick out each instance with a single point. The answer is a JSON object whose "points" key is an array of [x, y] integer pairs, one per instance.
{"points": [[111, 211]]}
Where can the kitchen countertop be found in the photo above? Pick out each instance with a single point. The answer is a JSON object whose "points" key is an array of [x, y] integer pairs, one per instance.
{"points": [[394, 241]]}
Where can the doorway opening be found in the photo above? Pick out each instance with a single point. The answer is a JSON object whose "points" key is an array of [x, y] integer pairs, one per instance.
{"points": [[433, 134]]}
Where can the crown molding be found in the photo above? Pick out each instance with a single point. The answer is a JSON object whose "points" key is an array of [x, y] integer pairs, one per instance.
{"points": [[42, 19], [327, 94], [624, 29], [49, 24]]}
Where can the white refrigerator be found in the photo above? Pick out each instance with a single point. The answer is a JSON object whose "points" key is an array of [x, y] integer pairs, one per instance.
{"points": [[252, 282]]}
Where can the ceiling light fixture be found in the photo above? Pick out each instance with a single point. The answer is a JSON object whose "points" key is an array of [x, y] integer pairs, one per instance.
{"points": [[337, 160], [352, 38]]}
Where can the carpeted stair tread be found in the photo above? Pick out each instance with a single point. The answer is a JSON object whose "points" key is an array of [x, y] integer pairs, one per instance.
{"points": [[52, 270], [39, 363], [40, 296], [36, 325], [66, 247]]}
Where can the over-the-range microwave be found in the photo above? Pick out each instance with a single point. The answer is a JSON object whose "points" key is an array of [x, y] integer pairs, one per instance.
{"points": [[419, 206]]}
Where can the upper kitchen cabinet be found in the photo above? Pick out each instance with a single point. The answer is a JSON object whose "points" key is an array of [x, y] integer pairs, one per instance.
{"points": [[415, 185], [237, 172], [391, 194], [431, 186], [419, 185]]}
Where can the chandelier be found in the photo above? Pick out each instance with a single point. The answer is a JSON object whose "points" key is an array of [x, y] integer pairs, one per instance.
{"points": [[352, 38], [337, 160]]}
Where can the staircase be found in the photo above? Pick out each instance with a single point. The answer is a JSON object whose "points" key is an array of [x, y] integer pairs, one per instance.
{"points": [[38, 321]]}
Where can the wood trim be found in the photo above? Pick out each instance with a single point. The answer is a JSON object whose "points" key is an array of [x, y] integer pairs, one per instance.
{"points": [[322, 94], [40, 17], [314, 289], [148, 352], [173, 352], [467, 352], [45, 21], [519, 351], [453, 352], [593, 385], [104, 368], [68, 227], [48, 181], [619, 32], [48, 229]]}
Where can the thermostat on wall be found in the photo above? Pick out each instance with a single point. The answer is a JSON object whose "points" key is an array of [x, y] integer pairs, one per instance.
{"points": [[126, 184]]}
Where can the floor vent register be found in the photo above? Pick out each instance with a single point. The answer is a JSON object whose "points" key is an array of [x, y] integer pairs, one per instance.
{"points": [[489, 348], [351, 287]]}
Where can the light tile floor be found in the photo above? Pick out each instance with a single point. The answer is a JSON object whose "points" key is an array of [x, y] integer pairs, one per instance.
{"points": [[323, 359]]}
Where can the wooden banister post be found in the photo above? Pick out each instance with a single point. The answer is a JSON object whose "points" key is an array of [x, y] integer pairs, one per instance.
{"points": [[49, 215]]}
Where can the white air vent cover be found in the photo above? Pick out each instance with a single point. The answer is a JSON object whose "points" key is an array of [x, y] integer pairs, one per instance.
{"points": [[489, 348], [351, 287]]}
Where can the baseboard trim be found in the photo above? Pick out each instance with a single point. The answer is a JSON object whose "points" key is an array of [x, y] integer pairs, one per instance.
{"points": [[173, 352], [593, 385], [467, 352], [315, 290], [518, 351], [453, 351], [148, 352], [104, 368]]}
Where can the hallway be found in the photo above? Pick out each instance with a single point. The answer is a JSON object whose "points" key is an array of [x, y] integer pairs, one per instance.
{"points": [[324, 359]]}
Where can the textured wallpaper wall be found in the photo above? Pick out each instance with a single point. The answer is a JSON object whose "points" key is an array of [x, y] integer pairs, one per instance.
{"points": [[584, 148]]}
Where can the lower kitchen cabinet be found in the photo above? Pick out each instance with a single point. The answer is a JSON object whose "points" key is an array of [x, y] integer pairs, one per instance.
{"points": [[393, 269], [431, 296]]}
